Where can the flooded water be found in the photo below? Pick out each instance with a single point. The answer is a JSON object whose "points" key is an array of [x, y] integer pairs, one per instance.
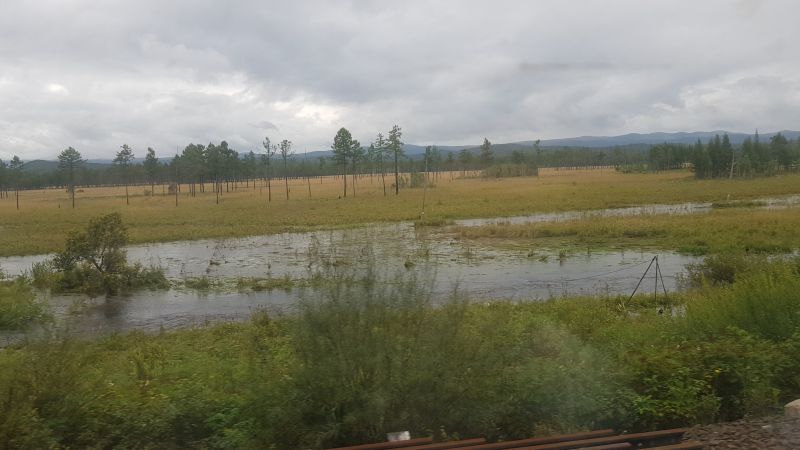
{"points": [[479, 273], [672, 209]]}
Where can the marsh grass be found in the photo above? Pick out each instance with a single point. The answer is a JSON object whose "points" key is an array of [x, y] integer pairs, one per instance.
{"points": [[43, 220], [738, 204], [718, 231]]}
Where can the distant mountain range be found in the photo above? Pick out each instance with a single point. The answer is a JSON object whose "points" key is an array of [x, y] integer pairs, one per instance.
{"points": [[44, 166], [625, 140], [655, 138]]}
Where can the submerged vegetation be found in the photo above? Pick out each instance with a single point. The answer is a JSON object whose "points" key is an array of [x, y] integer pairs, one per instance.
{"points": [[366, 356]]}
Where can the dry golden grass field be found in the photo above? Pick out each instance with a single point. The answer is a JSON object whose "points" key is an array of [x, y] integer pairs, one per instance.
{"points": [[45, 216]]}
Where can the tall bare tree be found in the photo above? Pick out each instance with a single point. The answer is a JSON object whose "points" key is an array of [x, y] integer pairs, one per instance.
{"points": [[356, 155], [395, 145], [380, 152], [266, 159], [285, 149]]}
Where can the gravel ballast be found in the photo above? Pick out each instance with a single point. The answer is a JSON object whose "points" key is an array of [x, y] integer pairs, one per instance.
{"points": [[764, 433]]}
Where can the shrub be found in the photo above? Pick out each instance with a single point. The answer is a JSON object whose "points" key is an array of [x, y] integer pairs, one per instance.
{"points": [[94, 262], [18, 305], [766, 304]]}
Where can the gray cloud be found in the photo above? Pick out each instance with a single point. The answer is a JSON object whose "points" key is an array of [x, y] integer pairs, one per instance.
{"points": [[94, 75], [266, 125]]}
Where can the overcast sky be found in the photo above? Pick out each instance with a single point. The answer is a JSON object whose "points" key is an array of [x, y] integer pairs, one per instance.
{"points": [[159, 73]]}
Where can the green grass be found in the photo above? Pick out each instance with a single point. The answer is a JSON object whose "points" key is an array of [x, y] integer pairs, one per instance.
{"points": [[45, 218], [366, 357]]}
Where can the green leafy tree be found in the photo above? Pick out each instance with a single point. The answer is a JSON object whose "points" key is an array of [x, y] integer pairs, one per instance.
{"points": [[781, 150], [726, 153], [285, 149], [395, 145], [465, 159], [213, 165], [701, 161], [486, 152], [151, 168], [356, 154], [70, 160], [230, 164], [762, 156], [123, 161], [250, 166], [101, 245], [341, 147], [15, 168], [192, 165]]}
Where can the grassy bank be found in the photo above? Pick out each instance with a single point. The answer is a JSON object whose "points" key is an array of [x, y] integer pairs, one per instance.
{"points": [[44, 216], [719, 231], [366, 357]]}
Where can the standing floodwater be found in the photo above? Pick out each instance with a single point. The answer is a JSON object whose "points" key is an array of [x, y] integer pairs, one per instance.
{"points": [[479, 273]]}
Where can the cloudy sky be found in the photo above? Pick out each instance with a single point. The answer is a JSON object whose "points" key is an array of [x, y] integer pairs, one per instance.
{"points": [[160, 73]]}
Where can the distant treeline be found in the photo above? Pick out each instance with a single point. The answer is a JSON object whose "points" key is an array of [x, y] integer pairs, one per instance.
{"points": [[219, 163], [211, 163], [718, 158]]}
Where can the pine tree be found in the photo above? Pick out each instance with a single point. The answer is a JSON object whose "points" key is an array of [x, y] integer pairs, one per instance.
{"points": [[395, 145], [151, 168], [486, 153], [70, 160], [342, 146], [123, 161]]}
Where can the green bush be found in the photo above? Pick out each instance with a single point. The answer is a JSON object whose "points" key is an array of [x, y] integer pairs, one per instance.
{"points": [[94, 263], [765, 304], [18, 305]]}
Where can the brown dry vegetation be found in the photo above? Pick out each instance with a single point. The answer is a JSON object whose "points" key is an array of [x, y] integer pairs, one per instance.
{"points": [[45, 217]]}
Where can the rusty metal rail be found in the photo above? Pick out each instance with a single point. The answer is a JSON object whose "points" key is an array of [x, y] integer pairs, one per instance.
{"points": [[588, 440]]}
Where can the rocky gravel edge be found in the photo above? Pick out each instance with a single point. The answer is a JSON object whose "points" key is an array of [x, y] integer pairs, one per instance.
{"points": [[763, 433]]}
